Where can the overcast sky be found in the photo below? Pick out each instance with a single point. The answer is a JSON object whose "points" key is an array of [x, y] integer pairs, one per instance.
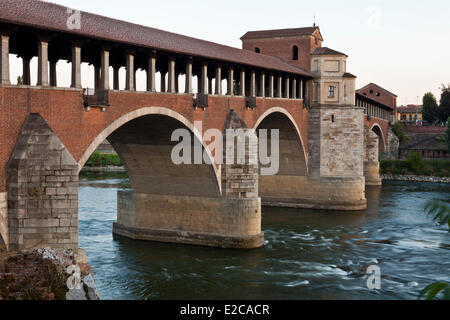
{"points": [[401, 45]]}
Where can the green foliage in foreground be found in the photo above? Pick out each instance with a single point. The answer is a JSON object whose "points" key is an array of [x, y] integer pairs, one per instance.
{"points": [[440, 212], [415, 165], [98, 159]]}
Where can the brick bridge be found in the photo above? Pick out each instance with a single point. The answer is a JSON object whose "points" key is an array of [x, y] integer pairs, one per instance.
{"points": [[47, 132]]}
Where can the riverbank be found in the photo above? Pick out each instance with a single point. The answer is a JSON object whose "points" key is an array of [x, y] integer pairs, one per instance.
{"points": [[413, 178], [104, 169]]}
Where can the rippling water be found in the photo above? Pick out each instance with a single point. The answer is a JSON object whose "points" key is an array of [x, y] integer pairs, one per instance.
{"points": [[308, 254]]}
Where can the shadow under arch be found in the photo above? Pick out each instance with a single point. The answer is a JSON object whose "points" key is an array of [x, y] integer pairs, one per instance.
{"points": [[381, 145], [293, 156], [142, 138]]}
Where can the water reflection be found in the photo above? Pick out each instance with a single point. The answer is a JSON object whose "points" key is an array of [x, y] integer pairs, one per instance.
{"points": [[308, 254]]}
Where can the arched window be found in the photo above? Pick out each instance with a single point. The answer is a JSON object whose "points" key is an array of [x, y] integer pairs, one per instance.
{"points": [[257, 50], [295, 53]]}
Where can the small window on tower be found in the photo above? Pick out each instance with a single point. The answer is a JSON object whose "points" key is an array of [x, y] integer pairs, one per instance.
{"points": [[295, 53], [331, 90], [257, 50]]}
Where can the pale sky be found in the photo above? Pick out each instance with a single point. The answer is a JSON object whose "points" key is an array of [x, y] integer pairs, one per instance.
{"points": [[401, 45]]}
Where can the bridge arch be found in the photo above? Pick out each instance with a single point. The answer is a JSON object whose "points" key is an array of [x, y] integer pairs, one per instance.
{"points": [[145, 112], [291, 141], [381, 138]]}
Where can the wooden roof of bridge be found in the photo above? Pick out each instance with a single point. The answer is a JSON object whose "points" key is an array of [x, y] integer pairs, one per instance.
{"points": [[53, 17]]}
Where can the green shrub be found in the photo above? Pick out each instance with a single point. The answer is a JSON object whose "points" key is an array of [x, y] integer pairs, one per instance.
{"points": [[416, 162], [416, 166], [98, 159], [397, 128]]}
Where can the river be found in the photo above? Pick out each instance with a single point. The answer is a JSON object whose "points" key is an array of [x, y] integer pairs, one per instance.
{"points": [[308, 254]]}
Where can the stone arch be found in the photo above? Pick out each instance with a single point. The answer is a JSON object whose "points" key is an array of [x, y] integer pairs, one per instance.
{"points": [[290, 140], [151, 117], [292, 122], [379, 132]]}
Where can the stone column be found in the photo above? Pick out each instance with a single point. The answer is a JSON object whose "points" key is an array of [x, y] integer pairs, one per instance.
{"points": [[301, 89], [188, 88], [151, 72], [97, 82], [230, 81], [4, 60], [163, 81], [253, 84], [262, 85], [177, 83], [116, 80], [287, 88], [104, 76], [280, 87], [42, 63], [129, 84], [242, 84], [294, 88], [271, 85], [76, 66], [26, 73], [53, 79], [204, 79], [171, 79], [219, 80]]}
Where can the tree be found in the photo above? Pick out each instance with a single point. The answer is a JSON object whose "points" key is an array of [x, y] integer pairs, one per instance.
{"points": [[448, 133], [444, 107], [430, 108], [19, 80]]}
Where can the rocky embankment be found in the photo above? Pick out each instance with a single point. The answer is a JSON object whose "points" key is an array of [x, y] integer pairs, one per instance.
{"points": [[390, 177], [45, 274], [104, 169]]}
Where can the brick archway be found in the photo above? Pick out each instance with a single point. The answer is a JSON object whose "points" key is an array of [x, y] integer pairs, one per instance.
{"points": [[382, 139], [283, 111], [142, 112]]}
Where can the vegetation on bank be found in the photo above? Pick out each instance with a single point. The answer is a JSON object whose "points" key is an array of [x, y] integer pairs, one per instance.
{"points": [[98, 159], [397, 128], [415, 165]]}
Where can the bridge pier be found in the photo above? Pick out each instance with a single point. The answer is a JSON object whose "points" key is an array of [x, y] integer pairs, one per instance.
{"points": [[371, 160], [42, 191], [215, 222], [185, 203]]}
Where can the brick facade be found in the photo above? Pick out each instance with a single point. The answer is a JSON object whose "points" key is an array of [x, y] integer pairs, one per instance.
{"points": [[62, 109]]}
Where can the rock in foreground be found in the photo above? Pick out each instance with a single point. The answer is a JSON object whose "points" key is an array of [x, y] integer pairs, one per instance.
{"points": [[45, 274]]}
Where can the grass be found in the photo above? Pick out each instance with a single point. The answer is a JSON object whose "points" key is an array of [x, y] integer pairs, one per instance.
{"points": [[98, 159]]}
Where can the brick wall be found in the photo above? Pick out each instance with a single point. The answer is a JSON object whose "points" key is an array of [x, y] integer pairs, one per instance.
{"points": [[383, 124]]}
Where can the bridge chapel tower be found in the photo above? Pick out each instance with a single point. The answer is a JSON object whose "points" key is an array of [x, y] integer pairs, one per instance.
{"points": [[336, 126]]}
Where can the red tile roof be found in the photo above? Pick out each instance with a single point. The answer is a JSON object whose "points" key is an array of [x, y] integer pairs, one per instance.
{"points": [[377, 86], [326, 51], [49, 16], [262, 34], [410, 108]]}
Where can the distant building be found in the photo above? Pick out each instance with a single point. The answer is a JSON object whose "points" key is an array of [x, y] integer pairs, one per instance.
{"points": [[410, 114], [381, 95]]}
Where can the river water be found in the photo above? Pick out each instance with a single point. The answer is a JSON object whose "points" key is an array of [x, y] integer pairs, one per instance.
{"points": [[308, 254]]}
